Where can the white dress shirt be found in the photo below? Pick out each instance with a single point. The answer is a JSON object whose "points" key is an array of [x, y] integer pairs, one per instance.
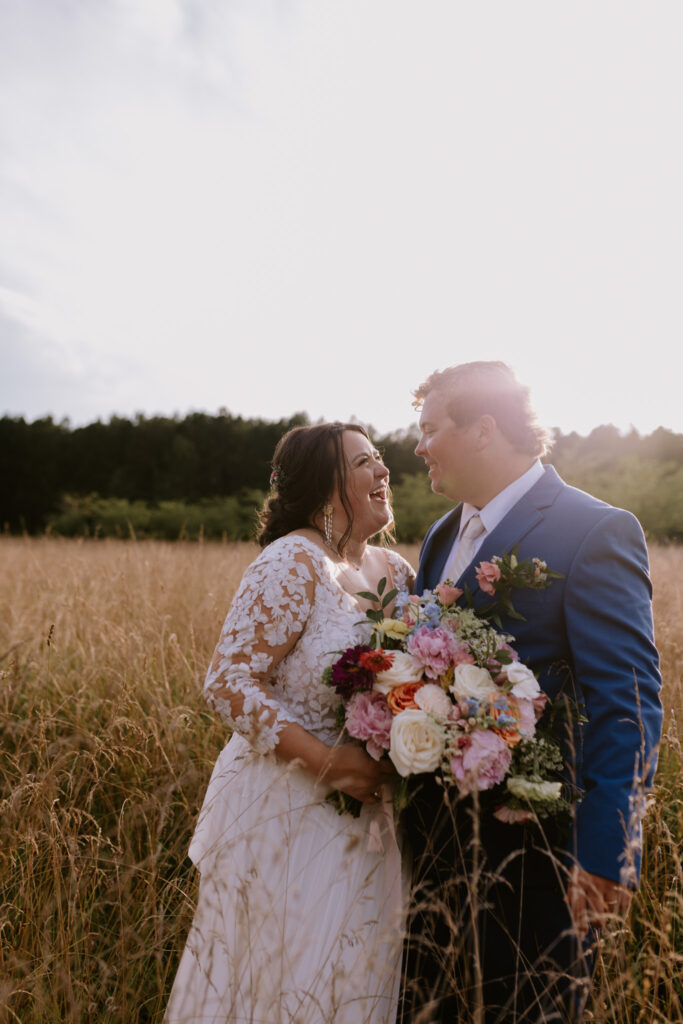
{"points": [[495, 511]]}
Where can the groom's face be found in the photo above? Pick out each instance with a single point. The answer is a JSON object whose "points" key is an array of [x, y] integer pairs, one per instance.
{"points": [[449, 451]]}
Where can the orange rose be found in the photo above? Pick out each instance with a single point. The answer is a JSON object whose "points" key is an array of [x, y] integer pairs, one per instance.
{"points": [[403, 697], [510, 734]]}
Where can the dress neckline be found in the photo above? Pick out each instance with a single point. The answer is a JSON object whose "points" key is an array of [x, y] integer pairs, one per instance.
{"points": [[328, 562]]}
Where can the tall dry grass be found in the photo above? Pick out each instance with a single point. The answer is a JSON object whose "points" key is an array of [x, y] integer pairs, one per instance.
{"points": [[640, 967], [106, 750]]}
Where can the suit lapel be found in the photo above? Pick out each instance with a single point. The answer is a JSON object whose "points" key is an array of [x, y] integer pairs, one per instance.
{"points": [[514, 527], [436, 550]]}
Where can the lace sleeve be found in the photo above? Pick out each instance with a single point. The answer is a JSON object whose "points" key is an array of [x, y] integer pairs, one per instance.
{"points": [[403, 572], [266, 618]]}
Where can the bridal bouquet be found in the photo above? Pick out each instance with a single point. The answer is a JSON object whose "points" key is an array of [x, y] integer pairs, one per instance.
{"points": [[438, 689]]}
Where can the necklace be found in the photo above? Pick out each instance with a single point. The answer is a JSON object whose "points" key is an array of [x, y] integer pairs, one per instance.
{"points": [[354, 565], [345, 558]]}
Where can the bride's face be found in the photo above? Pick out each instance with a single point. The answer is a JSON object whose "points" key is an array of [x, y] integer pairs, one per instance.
{"points": [[367, 482]]}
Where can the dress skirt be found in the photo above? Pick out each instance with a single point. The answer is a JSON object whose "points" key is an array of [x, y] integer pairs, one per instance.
{"points": [[299, 917]]}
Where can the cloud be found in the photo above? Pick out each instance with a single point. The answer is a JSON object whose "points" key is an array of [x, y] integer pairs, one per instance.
{"points": [[43, 377], [276, 206]]}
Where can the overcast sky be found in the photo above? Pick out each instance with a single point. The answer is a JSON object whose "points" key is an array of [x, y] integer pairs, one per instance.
{"points": [[311, 204]]}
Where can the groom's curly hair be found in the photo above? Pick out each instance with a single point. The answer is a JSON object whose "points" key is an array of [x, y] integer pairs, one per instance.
{"points": [[307, 463], [475, 389]]}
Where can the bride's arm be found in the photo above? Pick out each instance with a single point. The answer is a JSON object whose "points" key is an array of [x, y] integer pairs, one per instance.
{"points": [[267, 617]]}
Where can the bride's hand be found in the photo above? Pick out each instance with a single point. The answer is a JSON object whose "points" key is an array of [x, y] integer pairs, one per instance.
{"points": [[355, 773], [346, 767]]}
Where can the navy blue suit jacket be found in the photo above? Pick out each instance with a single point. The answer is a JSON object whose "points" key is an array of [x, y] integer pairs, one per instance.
{"points": [[595, 621]]}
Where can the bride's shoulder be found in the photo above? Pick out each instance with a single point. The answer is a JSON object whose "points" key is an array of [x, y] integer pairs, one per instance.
{"points": [[288, 565], [293, 547]]}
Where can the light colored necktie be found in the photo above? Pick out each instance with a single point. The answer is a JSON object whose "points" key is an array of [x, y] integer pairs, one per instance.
{"points": [[465, 549]]}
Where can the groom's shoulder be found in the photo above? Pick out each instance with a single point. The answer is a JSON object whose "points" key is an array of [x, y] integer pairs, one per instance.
{"points": [[573, 497], [583, 508]]}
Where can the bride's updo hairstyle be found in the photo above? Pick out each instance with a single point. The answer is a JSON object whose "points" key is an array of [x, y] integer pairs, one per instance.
{"points": [[307, 463]]}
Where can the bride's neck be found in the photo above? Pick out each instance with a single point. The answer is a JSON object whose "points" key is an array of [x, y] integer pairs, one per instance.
{"points": [[354, 549]]}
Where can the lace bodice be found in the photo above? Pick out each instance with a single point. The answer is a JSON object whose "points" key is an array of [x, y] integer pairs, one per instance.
{"points": [[289, 619]]}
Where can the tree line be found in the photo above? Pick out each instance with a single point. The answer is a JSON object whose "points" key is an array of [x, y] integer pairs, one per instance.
{"points": [[206, 475]]}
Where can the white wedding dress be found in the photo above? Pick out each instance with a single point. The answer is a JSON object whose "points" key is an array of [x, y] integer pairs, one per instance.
{"points": [[299, 914]]}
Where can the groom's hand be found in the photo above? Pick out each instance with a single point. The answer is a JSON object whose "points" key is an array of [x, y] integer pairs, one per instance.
{"points": [[593, 899]]}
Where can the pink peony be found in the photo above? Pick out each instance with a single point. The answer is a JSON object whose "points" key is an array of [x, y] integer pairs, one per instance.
{"points": [[447, 594], [487, 574], [482, 763], [369, 719], [436, 649]]}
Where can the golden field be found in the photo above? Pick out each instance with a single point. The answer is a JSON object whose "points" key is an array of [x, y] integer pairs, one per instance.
{"points": [[106, 750]]}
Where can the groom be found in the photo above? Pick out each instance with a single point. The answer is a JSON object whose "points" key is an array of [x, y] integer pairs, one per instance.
{"points": [[515, 945]]}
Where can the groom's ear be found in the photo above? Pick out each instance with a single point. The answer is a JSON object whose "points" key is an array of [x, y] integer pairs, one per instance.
{"points": [[484, 430]]}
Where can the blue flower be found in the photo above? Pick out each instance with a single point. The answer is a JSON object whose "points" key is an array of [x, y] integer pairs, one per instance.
{"points": [[432, 613], [504, 720], [469, 707]]}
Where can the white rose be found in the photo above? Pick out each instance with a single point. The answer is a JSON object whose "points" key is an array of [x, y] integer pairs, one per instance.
{"points": [[404, 669], [525, 683], [417, 743], [471, 681], [526, 789], [433, 700]]}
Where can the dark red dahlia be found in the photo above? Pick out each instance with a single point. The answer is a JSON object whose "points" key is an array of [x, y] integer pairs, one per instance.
{"points": [[349, 676]]}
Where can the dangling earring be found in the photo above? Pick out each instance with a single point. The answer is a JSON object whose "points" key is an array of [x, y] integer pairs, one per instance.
{"points": [[327, 523]]}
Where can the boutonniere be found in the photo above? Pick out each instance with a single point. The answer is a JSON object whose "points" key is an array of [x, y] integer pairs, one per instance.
{"points": [[505, 573]]}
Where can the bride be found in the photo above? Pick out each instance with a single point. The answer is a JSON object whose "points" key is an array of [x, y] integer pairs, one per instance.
{"points": [[299, 911]]}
